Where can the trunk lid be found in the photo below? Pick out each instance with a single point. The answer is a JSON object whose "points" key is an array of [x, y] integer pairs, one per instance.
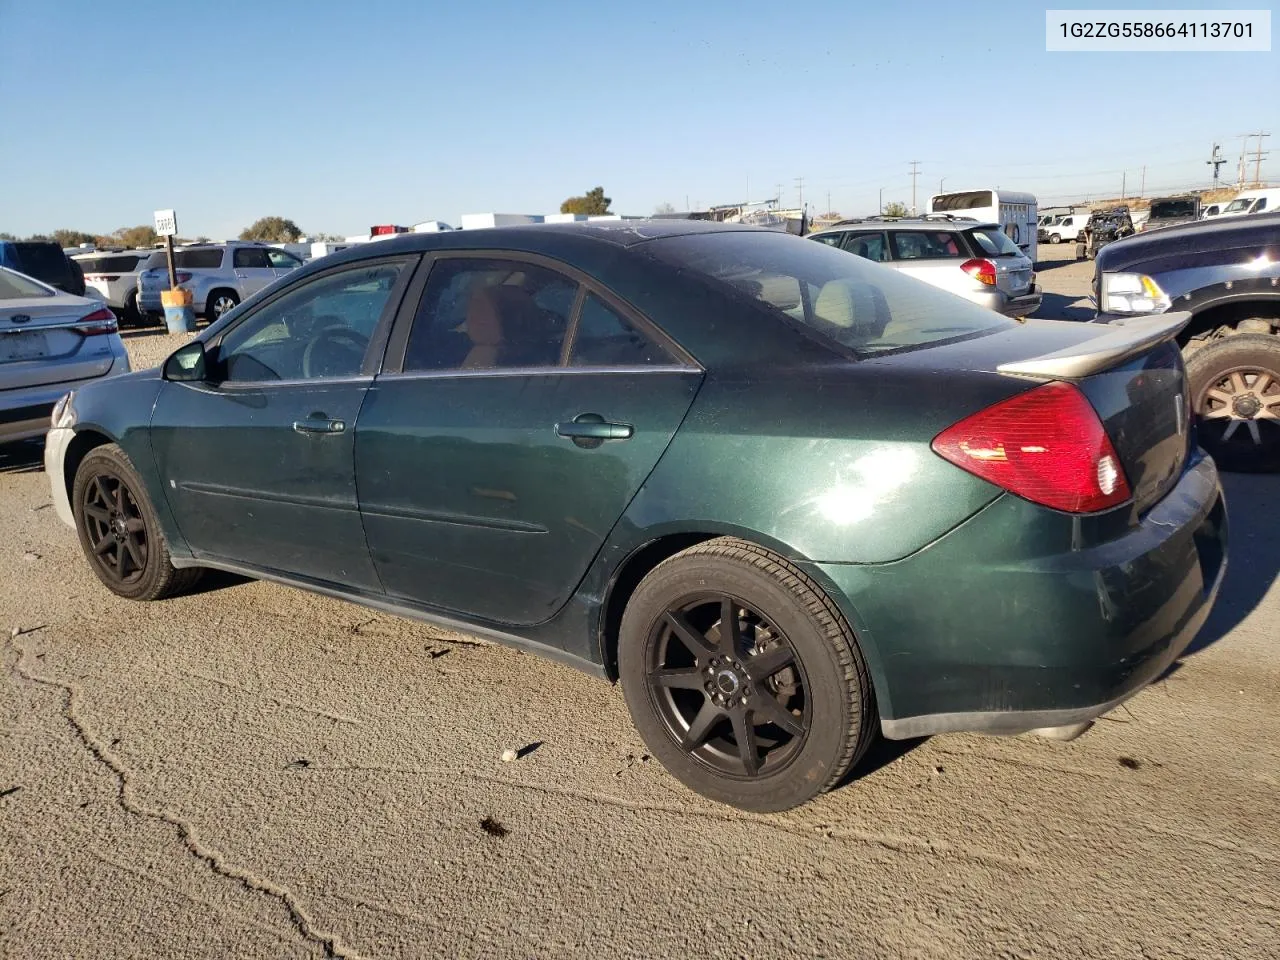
{"points": [[39, 344]]}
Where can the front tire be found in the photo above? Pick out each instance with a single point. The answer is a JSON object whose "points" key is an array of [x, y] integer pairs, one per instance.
{"points": [[1235, 392], [119, 531], [1055, 238], [743, 678]]}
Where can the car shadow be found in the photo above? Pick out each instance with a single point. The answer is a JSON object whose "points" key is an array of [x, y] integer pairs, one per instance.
{"points": [[212, 580], [1253, 554], [1057, 306], [1043, 265], [25, 456]]}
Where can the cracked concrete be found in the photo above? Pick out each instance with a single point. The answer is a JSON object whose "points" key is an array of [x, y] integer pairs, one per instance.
{"points": [[164, 808]]}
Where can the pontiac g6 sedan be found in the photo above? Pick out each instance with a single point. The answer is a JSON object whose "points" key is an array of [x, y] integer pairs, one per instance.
{"points": [[787, 497]]}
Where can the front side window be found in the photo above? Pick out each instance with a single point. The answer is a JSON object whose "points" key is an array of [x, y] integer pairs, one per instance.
{"points": [[844, 299], [250, 258], [280, 260], [483, 314], [923, 244], [1260, 205], [320, 328]]}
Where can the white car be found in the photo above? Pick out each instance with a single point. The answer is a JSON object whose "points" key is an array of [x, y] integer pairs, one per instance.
{"points": [[112, 277]]}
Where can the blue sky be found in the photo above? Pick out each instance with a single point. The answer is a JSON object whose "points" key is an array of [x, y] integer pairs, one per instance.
{"points": [[340, 115]]}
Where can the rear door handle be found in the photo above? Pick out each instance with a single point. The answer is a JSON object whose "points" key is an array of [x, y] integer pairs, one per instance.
{"points": [[591, 430], [319, 425]]}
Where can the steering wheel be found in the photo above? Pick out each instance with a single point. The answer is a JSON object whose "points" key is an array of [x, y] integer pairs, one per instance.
{"points": [[330, 344]]}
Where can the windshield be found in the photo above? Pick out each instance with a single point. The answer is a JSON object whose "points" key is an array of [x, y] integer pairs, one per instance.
{"points": [[14, 286], [995, 243], [1173, 208], [845, 298]]}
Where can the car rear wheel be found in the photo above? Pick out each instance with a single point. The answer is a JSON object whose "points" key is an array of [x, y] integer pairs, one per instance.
{"points": [[220, 301], [119, 531], [1235, 391], [743, 678]]}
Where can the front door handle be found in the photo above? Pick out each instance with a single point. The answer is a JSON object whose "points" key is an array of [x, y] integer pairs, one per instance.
{"points": [[319, 424], [591, 430]]}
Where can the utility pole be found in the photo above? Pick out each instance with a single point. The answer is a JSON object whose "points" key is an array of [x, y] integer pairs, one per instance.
{"points": [[1257, 159], [800, 191], [941, 181], [1142, 187], [828, 201], [915, 172], [1215, 160], [1123, 174], [1244, 148], [882, 201]]}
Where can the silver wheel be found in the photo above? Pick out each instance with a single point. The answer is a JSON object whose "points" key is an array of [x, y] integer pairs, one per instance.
{"points": [[221, 303], [1245, 398]]}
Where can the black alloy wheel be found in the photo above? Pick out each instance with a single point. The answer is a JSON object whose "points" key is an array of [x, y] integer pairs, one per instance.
{"points": [[115, 528], [728, 686]]}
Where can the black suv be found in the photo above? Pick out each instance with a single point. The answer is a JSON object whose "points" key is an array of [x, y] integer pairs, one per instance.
{"points": [[44, 260], [1225, 272]]}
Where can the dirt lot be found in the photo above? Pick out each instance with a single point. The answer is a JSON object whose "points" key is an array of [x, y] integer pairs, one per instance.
{"points": [[256, 772]]}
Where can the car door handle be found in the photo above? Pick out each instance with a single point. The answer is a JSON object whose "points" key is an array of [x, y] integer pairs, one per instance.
{"points": [[591, 430], [319, 425]]}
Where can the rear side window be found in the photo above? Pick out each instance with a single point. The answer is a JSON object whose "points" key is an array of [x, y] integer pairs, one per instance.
{"points": [[995, 243], [924, 245], [844, 299], [251, 258], [206, 259]]}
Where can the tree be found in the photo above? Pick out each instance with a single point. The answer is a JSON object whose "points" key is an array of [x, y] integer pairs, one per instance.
{"points": [[71, 238], [593, 204], [895, 208], [272, 230], [7, 236], [329, 238], [143, 235], [664, 208]]}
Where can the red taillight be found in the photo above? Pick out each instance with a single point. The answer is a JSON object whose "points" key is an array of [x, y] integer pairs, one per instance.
{"points": [[183, 276], [984, 271], [97, 323], [1046, 445]]}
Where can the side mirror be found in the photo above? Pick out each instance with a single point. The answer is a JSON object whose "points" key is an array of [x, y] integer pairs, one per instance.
{"points": [[187, 364]]}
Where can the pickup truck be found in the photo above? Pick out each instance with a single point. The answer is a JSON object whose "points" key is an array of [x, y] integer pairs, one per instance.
{"points": [[1224, 274]]}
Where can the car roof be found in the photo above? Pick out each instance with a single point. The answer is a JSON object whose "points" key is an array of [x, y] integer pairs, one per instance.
{"points": [[934, 222]]}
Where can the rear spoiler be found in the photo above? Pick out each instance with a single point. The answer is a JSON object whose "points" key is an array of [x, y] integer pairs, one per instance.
{"points": [[1116, 342]]}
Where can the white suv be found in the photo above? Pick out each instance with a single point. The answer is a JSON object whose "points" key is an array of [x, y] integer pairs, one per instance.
{"points": [[219, 275], [112, 277]]}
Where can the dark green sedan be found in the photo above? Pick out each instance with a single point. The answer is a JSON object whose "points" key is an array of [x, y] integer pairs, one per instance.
{"points": [[788, 498]]}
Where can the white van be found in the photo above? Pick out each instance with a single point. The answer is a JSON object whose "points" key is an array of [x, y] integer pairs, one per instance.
{"points": [[1253, 201], [1066, 229]]}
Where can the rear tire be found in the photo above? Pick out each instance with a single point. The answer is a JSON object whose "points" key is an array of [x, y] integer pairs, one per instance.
{"points": [[743, 678], [220, 301], [131, 315], [119, 531], [1235, 392]]}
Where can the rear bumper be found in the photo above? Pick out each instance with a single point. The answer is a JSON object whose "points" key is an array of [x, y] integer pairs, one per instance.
{"points": [[1001, 302], [24, 412], [999, 628]]}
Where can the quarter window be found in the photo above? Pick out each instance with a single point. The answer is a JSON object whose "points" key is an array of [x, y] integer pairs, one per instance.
{"points": [[605, 338], [320, 328], [483, 314], [830, 239], [870, 246]]}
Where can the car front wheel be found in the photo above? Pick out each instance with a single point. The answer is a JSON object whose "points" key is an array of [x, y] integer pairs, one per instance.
{"points": [[119, 531], [743, 678]]}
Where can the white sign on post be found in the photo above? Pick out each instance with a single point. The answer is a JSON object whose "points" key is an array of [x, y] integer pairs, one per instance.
{"points": [[166, 223]]}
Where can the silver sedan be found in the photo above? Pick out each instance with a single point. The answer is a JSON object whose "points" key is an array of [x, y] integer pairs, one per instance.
{"points": [[50, 343]]}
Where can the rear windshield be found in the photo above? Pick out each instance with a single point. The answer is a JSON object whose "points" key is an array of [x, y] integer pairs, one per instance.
{"points": [[995, 243], [44, 261], [1174, 208], [846, 299], [14, 286], [971, 200], [122, 263]]}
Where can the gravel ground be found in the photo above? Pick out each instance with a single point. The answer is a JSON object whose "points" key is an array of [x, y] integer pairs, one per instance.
{"points": [[253, 771]]}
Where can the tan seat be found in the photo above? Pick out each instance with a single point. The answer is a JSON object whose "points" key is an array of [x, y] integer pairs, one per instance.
{"points": [[484, 329]]}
